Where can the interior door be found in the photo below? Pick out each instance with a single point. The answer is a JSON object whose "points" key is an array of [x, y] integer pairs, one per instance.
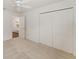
{"points": [[22, 27]]}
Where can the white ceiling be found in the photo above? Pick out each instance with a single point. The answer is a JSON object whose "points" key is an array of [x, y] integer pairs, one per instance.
{"points": [[33, 3]]}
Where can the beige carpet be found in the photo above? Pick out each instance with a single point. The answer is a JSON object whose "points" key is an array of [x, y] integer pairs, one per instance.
{"points": [[25, 49]]}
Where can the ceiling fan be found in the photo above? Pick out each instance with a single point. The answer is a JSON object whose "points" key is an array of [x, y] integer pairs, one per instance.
{"points": [[21, 4]]}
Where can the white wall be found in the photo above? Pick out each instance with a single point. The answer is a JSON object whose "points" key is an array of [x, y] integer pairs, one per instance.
{"points": [[7, 24], [32, 26], [33, 17]]}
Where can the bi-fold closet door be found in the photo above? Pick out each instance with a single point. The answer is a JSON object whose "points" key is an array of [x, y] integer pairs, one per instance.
{"points": [[56, 29]]}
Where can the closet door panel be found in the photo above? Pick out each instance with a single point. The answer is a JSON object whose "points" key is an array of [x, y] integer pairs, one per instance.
{"points": [[64, 30]]}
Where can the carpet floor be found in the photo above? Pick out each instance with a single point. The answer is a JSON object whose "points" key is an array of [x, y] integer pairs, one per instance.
{"points": [[26, 49]]}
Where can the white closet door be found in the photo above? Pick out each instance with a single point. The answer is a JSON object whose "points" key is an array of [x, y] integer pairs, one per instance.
{"points": [[57, 29], [46, 35], [64, 30]]}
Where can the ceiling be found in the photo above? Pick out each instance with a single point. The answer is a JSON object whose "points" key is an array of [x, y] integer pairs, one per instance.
{"points": [[33, 3]]}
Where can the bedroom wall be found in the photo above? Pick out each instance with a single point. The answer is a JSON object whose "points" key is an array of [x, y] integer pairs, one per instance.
{"points": [[7, 23], [33, 17]]}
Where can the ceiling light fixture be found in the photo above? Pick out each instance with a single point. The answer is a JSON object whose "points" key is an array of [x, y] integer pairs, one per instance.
{"points": [[18, 2]]}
